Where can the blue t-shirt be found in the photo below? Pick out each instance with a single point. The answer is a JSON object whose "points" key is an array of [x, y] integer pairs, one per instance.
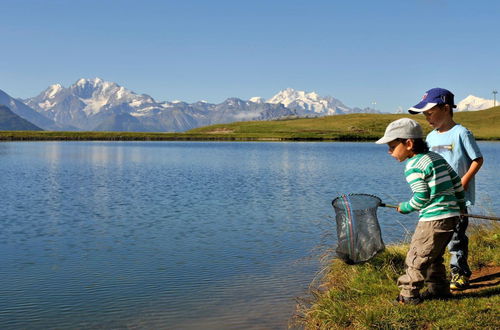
{"points": [[459, 148]]}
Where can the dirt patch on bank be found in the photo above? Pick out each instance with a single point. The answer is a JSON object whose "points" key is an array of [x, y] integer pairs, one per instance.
{"points": [[485, 278], [221, 131]]}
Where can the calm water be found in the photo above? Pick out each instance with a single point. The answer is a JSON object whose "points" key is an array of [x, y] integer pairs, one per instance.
{"points": [[181, 234]]}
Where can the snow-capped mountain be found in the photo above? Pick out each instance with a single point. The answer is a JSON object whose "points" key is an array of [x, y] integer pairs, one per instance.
{"points": [[309, 103], [474, 103], [257, 99], [89, 102], [95, 104]]}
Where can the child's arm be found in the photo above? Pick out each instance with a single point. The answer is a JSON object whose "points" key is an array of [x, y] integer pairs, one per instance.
{"points": [[457, 187], [421, 192], [475, 166], [472, 150]]}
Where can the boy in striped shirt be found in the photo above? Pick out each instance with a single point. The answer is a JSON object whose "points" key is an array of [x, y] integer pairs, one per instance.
{"points": [[439, 197]]}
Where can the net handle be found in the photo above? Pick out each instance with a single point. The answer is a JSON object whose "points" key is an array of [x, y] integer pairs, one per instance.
{"points": [[485, 217], [477, 216], [388, 205]]}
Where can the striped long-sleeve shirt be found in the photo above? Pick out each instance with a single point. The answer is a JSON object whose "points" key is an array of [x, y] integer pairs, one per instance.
{"points": [[437, 189]]}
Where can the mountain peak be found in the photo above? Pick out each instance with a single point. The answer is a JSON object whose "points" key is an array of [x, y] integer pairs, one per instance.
{"points": [[94, 82], [474, 103], [257, 99], [290, 95], [306, 103], [233, 103], [86, 97], [89, 88], [53, 90]]}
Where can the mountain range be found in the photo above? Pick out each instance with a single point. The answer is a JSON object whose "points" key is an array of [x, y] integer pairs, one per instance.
{"points": [[98, 105]]}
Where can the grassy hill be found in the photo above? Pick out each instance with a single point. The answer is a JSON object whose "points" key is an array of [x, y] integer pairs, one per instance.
{"points": [[484, 124]]}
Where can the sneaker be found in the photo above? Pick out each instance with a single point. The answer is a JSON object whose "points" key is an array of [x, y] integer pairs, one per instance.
{"points": [[429, 295], [459, 282], [408, 300]]}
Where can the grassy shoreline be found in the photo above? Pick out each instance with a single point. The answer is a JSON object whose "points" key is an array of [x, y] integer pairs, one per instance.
{"points": [[361, 296], [484, 124]]}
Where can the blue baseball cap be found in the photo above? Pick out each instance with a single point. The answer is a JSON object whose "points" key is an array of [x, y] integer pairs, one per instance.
{"points": [[433, 97]]}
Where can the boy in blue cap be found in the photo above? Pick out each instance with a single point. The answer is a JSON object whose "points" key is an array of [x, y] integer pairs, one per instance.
{"points": [[459, 148]]}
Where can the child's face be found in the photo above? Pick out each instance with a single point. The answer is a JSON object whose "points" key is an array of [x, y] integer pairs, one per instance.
{"points": [[437, 116], [401, 149]]}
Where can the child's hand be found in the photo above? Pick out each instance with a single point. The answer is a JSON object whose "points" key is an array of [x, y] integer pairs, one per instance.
{"points": [[399, 210], [465, 183]]}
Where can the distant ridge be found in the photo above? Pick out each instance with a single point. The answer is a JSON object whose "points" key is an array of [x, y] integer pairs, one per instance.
{"points": [[99, 105], [27, 113], [9, 121]]}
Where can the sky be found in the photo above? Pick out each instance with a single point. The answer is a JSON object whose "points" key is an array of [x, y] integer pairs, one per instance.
{"points": [[382, 54]]}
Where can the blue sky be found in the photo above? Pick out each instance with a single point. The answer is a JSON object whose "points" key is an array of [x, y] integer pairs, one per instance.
{"points": [[388, 52]]}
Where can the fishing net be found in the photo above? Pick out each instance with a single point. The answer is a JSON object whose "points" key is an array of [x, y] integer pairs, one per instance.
{"points": [[358, 230]]}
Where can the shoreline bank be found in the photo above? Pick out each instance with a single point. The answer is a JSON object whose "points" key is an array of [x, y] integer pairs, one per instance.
{"points": [[361, 296], [139, 136]]}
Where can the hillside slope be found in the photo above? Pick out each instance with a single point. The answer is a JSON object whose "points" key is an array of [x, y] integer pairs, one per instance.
{"points": [[484, 124], [9, 121]]}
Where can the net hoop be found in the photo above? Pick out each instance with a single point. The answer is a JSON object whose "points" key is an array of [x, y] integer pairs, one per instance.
{"points": [[358, 230], [350, 196]]}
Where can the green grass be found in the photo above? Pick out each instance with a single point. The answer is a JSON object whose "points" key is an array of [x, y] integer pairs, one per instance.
{"points": [[360, 296], [484, 124], [83, 136]]}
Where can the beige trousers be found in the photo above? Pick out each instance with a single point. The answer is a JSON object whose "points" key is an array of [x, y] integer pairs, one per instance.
{"points": [[424, 261]]}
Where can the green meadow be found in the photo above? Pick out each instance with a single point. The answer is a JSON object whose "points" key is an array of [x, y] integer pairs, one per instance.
{"points": [[484, 124]]}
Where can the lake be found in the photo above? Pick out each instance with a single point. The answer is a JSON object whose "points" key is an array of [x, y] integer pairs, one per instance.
{"points": [[186, 235]]}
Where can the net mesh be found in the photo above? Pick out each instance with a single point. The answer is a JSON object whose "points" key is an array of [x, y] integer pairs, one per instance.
{"points": [[358, 230]]}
